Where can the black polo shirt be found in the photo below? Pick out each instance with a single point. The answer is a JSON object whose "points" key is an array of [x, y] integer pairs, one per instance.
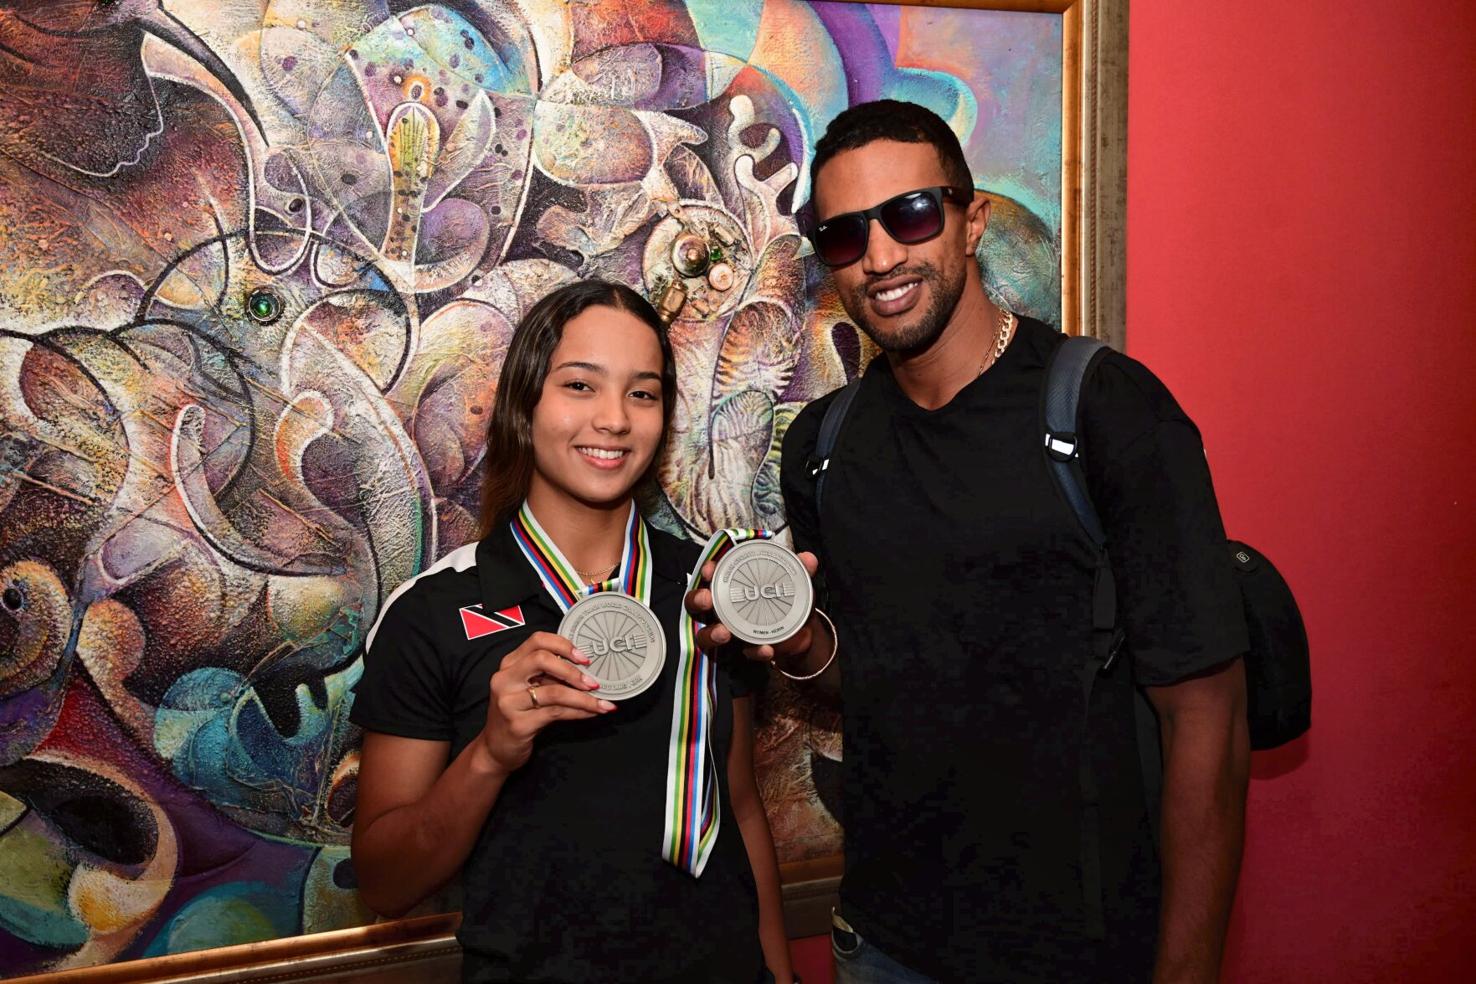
{"points": [[566, 882], [961, 585]]}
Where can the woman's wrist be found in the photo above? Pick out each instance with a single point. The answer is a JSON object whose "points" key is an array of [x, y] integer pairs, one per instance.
{"points": [[483, 763]]}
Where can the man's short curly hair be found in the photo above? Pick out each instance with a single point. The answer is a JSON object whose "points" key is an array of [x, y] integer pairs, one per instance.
{"points": [[892, 119]]}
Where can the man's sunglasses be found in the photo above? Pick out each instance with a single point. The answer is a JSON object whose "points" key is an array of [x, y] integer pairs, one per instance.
{"points": [[911, 217]]}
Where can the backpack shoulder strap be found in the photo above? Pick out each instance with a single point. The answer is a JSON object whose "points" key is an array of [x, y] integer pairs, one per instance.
{"points": [[830, 426], [1060, 406], [1066, 373]]}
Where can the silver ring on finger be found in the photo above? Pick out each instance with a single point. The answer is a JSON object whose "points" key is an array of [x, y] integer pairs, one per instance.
{"points": [[533, 704]]}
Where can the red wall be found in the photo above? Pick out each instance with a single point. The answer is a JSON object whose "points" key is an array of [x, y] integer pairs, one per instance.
{"points": [[1302, 273]]}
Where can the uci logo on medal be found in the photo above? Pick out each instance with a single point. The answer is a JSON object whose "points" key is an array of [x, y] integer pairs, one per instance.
{"points": [[632, 642], [769, 592]]}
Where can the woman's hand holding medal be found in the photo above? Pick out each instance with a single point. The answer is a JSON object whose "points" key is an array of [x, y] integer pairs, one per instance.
{"points": [[538, 683]]}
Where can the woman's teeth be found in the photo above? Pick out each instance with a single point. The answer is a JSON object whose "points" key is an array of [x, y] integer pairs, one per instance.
{"points": [[602, 453]]}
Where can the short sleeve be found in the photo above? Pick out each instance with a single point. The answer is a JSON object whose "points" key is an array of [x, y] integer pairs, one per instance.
{"points": [[405, 689], [1146, 469]]}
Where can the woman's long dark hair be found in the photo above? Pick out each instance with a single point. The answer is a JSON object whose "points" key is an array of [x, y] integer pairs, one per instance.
{"points": [[508, 467]]}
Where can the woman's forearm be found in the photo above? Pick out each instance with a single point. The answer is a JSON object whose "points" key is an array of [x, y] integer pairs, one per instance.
{"points": [[759, 842], [407, 853]]}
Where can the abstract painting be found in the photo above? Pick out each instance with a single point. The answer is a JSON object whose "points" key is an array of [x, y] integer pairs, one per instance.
{"points": [[259, 264]]}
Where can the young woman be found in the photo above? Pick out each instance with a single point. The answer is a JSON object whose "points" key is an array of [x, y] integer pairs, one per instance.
{"points": [[489, 749]]}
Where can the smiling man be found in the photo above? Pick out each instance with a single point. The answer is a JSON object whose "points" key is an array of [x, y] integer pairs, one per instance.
{"points": [[961, 587]]}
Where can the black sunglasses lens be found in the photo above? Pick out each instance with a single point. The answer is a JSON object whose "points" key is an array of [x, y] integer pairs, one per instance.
{"points": [[913, 217], [842, 240]]}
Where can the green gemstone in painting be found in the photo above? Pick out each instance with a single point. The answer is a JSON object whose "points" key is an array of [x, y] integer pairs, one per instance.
{"points": [[264, 306]]}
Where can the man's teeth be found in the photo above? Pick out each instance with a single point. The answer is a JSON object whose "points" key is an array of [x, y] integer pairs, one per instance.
{"points": [[602, 453], [894, 293]]}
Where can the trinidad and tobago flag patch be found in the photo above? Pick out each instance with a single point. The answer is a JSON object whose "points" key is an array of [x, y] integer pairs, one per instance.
{"points": [[478, 624]]}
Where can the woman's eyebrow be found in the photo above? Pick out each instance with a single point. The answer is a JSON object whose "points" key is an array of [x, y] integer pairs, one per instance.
{"points": [[601, 370]]}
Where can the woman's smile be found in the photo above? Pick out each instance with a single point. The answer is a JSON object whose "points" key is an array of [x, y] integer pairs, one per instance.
{"points": [[608, 459]]}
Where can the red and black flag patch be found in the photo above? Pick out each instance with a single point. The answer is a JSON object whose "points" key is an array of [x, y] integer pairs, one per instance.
{"points": [[478, 624]]}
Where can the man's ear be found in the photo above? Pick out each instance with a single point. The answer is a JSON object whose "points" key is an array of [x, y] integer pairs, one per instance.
{"points": [[977, 219]]}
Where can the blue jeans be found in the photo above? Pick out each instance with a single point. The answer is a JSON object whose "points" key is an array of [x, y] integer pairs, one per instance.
{"points": [[858, 962]]}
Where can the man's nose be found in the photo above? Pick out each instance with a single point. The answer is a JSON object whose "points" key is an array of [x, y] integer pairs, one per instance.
{"points": [[883, 253]]}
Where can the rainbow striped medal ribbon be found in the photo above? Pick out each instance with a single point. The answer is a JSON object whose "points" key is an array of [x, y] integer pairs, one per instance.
{"points": [[612, 621], [692, 809]]}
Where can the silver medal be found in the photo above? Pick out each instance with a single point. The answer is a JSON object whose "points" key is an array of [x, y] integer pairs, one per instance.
{"points": [[622, 639], [761, 592]]}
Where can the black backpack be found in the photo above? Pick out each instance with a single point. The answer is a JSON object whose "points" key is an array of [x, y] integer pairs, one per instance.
{"points": [[1277, 665], [1278, 669]]}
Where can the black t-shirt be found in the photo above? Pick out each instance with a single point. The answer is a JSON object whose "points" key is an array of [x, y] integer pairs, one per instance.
{"points": [[566, 882], [961, 586]]}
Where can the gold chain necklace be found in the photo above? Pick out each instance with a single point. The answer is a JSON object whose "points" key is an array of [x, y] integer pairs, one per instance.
{"points": [[598, 571], [1003, 329]]}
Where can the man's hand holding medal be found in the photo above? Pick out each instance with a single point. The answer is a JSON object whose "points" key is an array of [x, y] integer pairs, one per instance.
{"points": [[757, 592]]}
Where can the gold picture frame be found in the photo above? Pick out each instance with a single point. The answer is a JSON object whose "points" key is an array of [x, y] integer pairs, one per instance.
{"points": [[422, 950], [1093, 302]]}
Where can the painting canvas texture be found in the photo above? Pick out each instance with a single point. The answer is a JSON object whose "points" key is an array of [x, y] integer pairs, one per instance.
{"points": [[260, 261]]}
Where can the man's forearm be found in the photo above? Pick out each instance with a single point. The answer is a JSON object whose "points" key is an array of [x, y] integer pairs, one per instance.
{"points": [[1206, 768]]}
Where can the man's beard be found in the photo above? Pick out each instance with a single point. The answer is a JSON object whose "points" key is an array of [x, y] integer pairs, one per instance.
{"points": [[943, 296]]}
